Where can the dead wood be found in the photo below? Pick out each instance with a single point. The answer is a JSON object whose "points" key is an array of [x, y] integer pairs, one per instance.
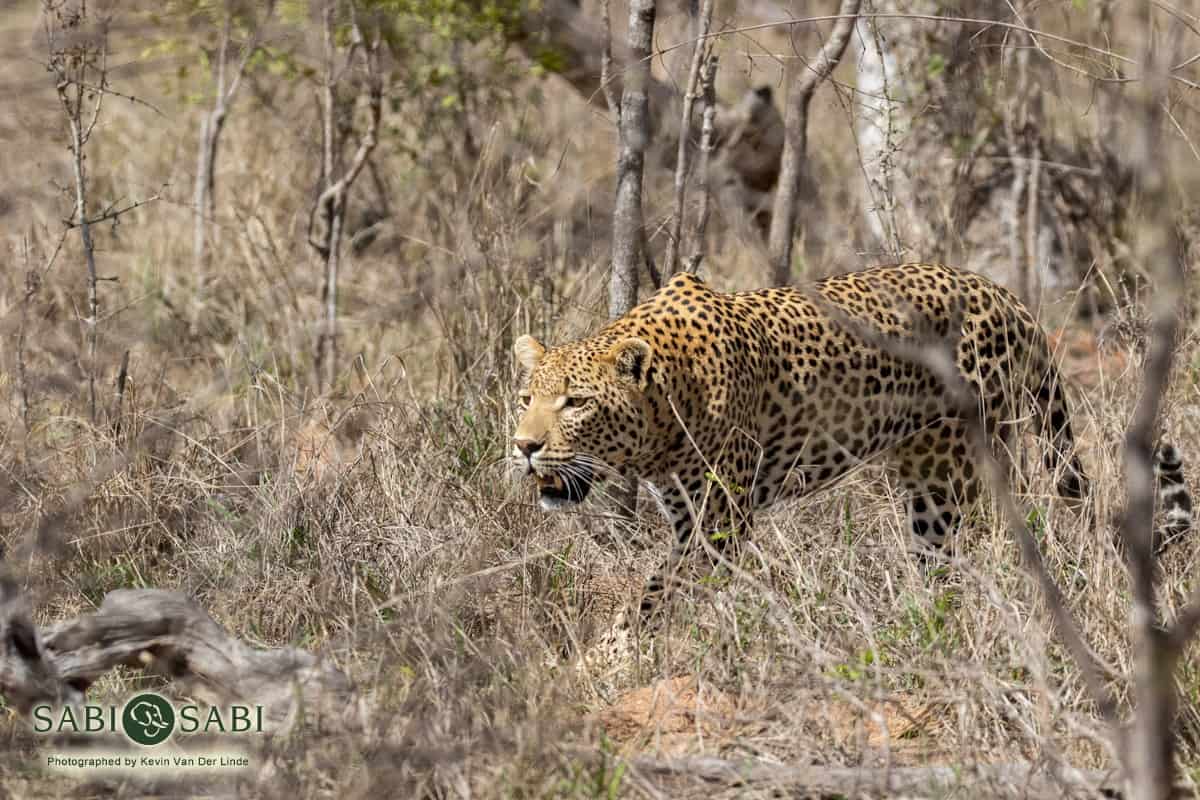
{"points": [[976, 781], [165, 633]]}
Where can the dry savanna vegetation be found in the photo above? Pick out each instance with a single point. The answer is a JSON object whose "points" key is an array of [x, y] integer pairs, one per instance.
{"points": [[263, 266]]}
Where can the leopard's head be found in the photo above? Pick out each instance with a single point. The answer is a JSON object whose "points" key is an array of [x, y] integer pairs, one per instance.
{"points": [[583, 414]]}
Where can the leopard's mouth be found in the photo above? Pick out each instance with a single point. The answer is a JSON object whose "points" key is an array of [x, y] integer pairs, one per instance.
{"points": [[560, 489]]}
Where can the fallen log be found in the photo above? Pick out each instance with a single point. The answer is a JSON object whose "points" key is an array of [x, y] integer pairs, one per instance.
{"points": [[165, 633], [1024, 780]]}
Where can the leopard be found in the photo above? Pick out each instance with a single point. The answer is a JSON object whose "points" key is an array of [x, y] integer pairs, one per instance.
{"points": [[724, 404]]}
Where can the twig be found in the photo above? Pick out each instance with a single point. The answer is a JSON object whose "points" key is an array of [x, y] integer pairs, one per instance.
{"points": [[111, 214], [119, 394], [100, 93], [104, 89]]}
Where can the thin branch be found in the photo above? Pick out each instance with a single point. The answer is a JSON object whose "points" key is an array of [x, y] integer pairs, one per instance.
{"points": [[103, 85], [331, 202], [1031, 272], [1074, 43], [104, 89], [111, 214]]}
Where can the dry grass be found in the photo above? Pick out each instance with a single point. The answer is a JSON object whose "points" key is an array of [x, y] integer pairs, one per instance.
{"points": [[376, 524]]}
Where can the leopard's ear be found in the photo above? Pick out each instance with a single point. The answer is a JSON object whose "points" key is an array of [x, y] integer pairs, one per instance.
{"points": [[529, 351], [631, 359]]}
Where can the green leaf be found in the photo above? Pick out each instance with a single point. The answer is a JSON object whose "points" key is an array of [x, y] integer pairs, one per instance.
{"points": [[936, 65]]}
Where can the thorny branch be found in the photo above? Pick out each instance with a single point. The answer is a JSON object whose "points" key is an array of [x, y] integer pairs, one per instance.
{"points": [[113, 213]]}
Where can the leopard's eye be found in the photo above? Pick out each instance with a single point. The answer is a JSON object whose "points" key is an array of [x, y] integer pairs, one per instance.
{"points": [[576, 402], [523, 400]]}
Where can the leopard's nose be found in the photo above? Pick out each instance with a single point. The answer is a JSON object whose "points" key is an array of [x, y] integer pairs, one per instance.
{"points": [[528, 446]]}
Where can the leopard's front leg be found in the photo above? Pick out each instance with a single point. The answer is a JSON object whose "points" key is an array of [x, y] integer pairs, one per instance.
{"points": [[707, 503]]}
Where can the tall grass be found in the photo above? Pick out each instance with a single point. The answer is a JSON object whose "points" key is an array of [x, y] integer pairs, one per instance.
{"points": [[378, 523]]}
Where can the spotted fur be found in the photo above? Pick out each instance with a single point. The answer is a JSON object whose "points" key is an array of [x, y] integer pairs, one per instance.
{"points": [[726, 403], [1173, 497]]}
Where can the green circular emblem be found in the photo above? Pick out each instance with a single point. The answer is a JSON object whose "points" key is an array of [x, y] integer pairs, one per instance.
{"points": [[148, 719]]}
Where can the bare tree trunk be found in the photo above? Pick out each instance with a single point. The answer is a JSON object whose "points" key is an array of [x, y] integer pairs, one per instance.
{"points": [[628, 218], [211, 127], [634, 128], [791, 171], [330, 205], [701, 22], [1033, 211], [89, 252], [210, 133], [877, 133], [80, 69], [707, 134]]}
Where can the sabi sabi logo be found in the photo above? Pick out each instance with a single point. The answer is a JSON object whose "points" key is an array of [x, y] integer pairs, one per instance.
{"points": [[148, 719]]}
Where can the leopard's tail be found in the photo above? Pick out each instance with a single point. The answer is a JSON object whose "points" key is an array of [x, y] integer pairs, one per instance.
{"points": [[1173, 496], [1061, 459]]}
